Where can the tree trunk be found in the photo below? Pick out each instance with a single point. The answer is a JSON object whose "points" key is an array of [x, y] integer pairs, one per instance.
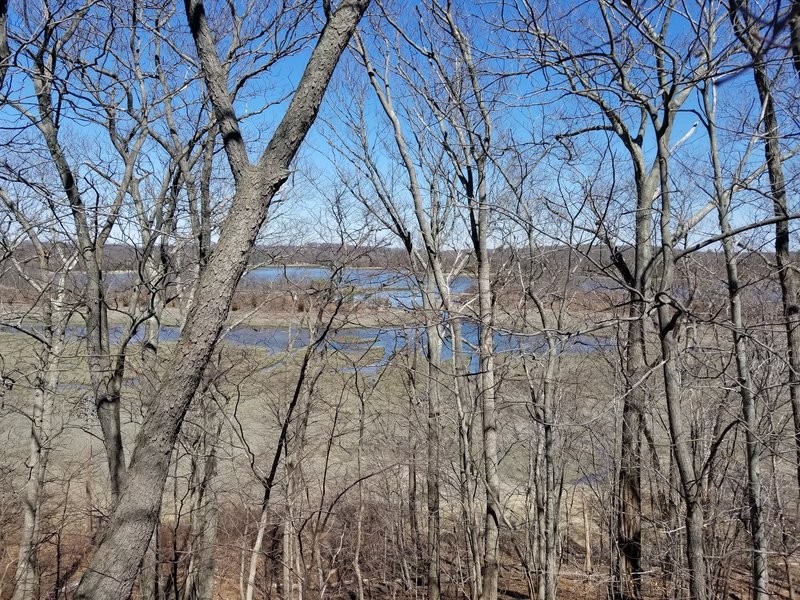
{"points": [[587, 535], [628, 559], [44, 405], [434, 343], [26, 576], [199, 583], [467, 475], [753, 449], [787, 275], [360, 509], [113, 569], [669, 320]]}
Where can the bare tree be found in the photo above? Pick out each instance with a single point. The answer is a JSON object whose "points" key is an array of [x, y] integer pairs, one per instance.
{"points": [[116, 562], [646, 73], [56, 307], [744, 381], [745, 24]]}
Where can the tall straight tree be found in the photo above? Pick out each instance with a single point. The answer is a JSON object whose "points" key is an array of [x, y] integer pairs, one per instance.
{"points": [[435, 201], [753, 445], [746, 25], [625, 75], [114, 568], [461, 103], [46, 62]]}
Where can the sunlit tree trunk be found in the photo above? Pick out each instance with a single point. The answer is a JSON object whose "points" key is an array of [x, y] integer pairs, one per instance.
{"points": [[113, 570], [670, 315], [753, 446], [44, 403]]}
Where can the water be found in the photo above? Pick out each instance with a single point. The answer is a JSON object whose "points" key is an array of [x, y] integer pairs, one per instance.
{"points": [[386, 342], [393, 340], [398, 289], [307, 274]]}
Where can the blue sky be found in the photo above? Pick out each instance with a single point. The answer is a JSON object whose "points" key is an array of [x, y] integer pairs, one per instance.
{"points": [[529, 111]]}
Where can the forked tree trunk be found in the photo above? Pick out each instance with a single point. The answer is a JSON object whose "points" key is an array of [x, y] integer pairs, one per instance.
{"points": [[114, 568], [627, 557]]}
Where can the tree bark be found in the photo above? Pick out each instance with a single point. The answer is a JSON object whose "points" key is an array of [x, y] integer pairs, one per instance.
{"points": [[587, 535], [753, 446], [113, 569], [434, 339], [5, 50], [627, 563], [787, 275], [26, 576], [669, 318]]}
